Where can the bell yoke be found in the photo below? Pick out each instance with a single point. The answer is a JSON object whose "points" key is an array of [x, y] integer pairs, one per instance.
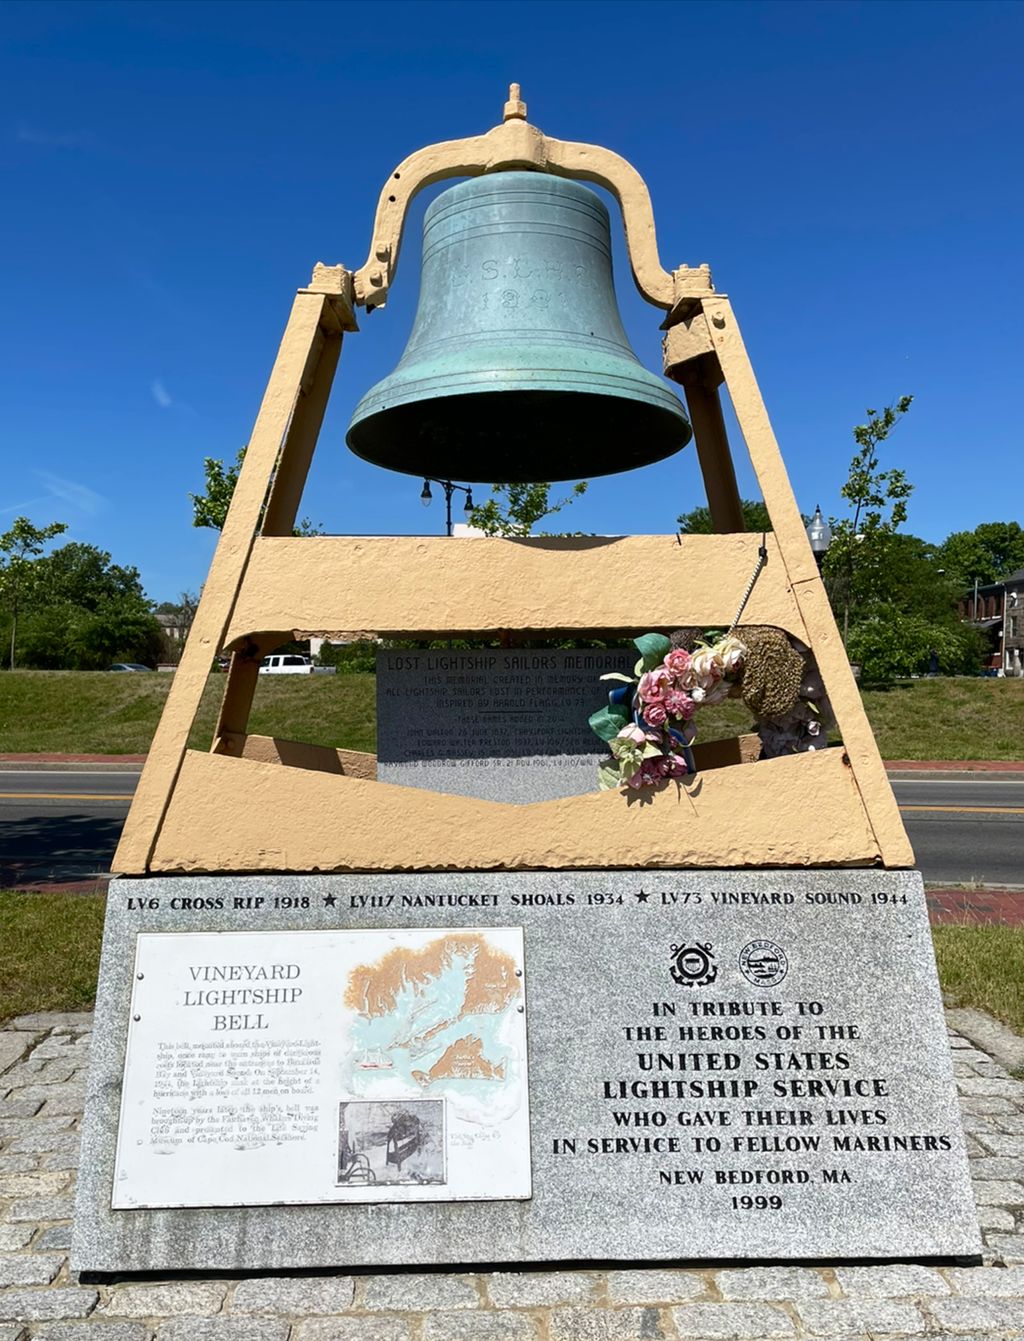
{"points": [[518, 367]]}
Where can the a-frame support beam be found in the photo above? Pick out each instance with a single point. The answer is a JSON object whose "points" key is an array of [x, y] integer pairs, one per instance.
{"points": [[267, 494]]}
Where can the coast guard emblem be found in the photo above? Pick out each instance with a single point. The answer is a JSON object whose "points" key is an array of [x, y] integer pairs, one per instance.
{"points": [[693, 965]]}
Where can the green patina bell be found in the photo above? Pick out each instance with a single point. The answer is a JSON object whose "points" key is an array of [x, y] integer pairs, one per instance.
{"points": [[518, 367]]}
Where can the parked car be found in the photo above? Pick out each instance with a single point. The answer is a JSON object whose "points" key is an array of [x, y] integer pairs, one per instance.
{"points": [[129, 666]]}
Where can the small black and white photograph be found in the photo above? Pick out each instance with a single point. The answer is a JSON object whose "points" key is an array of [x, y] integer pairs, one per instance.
{"points": [[388, 1143]]}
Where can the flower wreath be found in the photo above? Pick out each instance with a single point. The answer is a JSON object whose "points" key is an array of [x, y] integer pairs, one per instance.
{"points": [[648, 724]]}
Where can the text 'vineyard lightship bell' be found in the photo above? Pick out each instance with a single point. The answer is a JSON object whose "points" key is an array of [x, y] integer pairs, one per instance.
{"points": [[518, 367]]}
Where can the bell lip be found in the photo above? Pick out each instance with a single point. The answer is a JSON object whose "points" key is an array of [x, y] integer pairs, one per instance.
{"points": [[571, 382], [647, 435]]}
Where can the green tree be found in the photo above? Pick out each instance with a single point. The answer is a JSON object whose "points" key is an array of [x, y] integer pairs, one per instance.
{"points": [[119, 628], [755, 518], [515, 509], [855, 565], [83, 575], [890, 643], [912, 614], [210, 508], [991, 551], [82, 611], [19, 549]]}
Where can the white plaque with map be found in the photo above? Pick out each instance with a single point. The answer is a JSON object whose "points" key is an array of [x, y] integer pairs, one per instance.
{"points": [[325, 1066]]}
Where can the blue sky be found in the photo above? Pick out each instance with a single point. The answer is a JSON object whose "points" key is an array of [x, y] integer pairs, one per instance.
{"points": [[172, 171]]}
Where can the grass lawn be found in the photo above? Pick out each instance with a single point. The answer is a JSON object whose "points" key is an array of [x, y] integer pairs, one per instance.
{"points": [[87, 712], [983, 967], [96, 712], [948, 719], [51, 953]]}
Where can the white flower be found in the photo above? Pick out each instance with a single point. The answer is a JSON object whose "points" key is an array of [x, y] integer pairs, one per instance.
{"points": [[706, 665], [730, 652]]}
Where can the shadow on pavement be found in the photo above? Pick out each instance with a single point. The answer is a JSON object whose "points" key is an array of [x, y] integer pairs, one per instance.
{"points": [[55, 849]]}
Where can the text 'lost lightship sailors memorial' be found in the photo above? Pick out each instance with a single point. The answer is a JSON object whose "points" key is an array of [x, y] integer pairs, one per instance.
{"points": [[559, 976]]}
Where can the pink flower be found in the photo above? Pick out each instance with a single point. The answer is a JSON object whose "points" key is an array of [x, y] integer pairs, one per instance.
{"points": [[651, 771], [655, 714], [654, 685], [675, 766], [633, 733], [679, 704], [678, 661]]}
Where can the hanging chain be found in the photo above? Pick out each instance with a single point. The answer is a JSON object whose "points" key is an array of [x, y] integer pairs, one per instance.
{"points": [[762, 559]]}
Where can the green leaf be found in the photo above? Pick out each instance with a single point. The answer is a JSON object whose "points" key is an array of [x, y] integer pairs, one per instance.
{"points": [[651, 751], [608, 722], [608, 775], [653, 648], [614, 675]]}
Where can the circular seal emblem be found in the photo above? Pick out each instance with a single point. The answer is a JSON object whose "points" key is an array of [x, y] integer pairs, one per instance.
{"points": [[693, 965], [763, 963]]}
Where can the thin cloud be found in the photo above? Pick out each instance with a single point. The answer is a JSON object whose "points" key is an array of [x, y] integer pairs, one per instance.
{"points": [[71, 494], [161, 395], [22, 508], [48, 139]]}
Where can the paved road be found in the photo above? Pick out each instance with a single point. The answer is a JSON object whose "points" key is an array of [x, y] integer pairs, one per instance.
{"points": [[65, 824]]}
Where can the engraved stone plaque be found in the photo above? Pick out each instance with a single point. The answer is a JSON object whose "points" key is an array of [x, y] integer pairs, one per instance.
{"points": [[325, 1066], [503, 724], [722, 1065]]}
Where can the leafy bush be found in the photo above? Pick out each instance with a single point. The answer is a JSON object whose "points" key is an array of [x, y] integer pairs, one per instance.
{"points": [[893, 644], [358, 658]]}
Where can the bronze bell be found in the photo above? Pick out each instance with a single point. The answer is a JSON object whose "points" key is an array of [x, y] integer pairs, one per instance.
{"points": [[518, 367]]}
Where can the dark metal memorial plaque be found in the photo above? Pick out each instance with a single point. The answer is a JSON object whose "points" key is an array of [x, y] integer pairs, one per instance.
{"points": [[717, 1065], [506, 724]]}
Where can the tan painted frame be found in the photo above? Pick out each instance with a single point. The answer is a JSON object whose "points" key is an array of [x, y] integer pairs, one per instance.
{"points": [[257, 804]]}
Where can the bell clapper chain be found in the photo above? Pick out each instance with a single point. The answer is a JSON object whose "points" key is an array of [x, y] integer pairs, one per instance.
{"points": [[762, 560]]}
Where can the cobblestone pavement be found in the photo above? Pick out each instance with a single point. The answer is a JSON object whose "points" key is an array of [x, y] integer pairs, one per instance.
{"points": [[42, 1073]]}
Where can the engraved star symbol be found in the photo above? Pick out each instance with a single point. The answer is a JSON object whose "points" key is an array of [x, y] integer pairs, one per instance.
{"points": [[642, 897], [330, 900]]}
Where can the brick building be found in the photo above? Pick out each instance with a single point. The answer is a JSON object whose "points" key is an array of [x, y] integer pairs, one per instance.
{"points": [[997, 610]]}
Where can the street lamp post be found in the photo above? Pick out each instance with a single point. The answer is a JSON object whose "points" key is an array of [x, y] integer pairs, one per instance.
{"points": [[819, 533], [449, 489]]}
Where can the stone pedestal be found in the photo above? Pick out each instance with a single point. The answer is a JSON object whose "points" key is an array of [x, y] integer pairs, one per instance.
{"points": [[720, 1065]]}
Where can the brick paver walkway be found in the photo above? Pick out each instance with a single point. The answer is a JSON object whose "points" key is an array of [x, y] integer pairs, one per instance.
{"points": [[42, 1071], [979, 905]]}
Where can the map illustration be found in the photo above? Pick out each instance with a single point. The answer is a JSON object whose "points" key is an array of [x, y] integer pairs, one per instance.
{"points": [[437, 1018]]}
